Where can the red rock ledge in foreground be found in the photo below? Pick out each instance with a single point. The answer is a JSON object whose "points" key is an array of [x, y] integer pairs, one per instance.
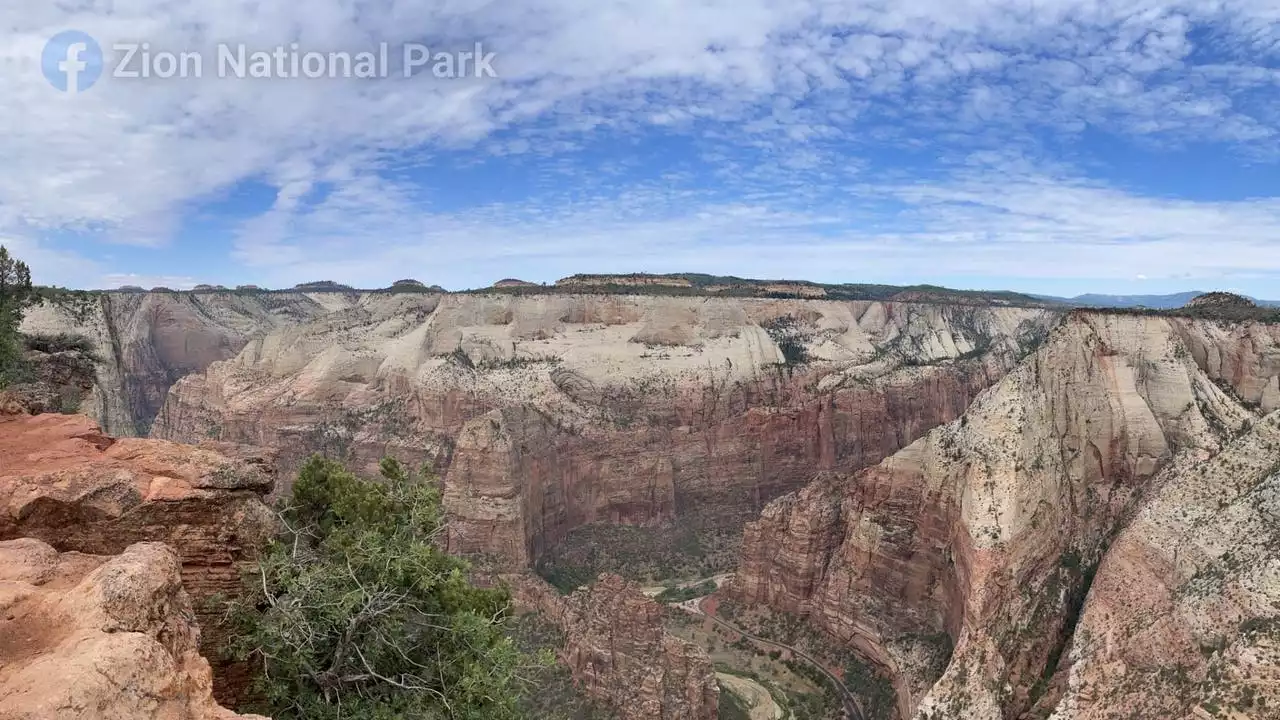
{"points": [[64, 482], [84, 636]]}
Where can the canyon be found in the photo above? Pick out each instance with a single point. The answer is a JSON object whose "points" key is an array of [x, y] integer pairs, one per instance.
{"points": [[544, 413], [1090, 539], [116, 555], [1011, 511]]}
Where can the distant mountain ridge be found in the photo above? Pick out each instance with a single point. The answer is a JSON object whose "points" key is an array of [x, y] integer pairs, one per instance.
{"points": [[1156, 302], [700, 284], [673, 284]]}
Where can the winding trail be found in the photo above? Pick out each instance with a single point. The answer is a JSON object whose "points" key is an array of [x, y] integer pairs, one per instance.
{"points": [[852, 706]]}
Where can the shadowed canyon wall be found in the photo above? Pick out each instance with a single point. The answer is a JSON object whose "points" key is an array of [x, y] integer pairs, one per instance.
{"points": [[144, 342]]}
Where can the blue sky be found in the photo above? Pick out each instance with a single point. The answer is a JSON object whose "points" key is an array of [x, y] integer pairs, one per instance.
{"points": [[1055, 146]]}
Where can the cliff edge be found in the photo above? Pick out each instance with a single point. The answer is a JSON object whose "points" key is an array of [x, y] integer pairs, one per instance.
{"points": [[65, 483], [86, 637], [1095, 536]]}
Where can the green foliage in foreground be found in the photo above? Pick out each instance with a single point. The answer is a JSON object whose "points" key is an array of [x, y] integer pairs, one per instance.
{"points": [[16, 295], [355, 613]]}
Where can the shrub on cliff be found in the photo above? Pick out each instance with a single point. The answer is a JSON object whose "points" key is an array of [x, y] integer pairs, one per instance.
{"points": [[16, 295], [354, 611]]}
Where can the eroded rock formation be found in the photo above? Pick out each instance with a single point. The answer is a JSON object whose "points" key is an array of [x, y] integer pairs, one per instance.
{"points": [[64, 482], [86, 637], [144, 342], [988, 532], [547, 412], [1183, 618], [619, 652]]}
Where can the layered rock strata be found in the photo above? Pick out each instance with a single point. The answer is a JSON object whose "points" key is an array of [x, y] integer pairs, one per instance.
{"points": [[1183, 618], [64, 482], [100, 638], [620, 654], [545, 413], [987, 534], [143, 342]]}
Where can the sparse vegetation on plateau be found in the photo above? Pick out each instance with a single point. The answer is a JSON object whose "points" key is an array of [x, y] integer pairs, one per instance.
{"points": [[52, 343]]}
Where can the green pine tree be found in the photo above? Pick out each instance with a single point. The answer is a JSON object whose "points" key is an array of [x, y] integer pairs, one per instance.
{"points": [[16, 295], [355, 612]]}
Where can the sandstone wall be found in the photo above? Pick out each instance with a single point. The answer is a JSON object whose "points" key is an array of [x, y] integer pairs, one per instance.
{"points": [[987, 532], [1183, 619], [85, 637], [66, 483], [145, 342], [619, 653], [544, 413]]}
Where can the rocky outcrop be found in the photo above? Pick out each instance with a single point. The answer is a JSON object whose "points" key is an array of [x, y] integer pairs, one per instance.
{"points": [[64, 482], [987, 533], [144, 342], [546, 412], [631, 280], [97, 638], [496, 510], [1183, 618], [61, 375], [1221, 299], [620, 654]]}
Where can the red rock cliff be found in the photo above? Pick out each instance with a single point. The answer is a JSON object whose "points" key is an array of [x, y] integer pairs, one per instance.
{"points": [[619, 652], [544, 413], [64, 482], [989, 529], [85, 637]]}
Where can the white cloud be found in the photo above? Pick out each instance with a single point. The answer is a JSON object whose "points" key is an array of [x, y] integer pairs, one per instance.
{"points": [[782, 77], [998, 219], [112, 281], [49, 266]]}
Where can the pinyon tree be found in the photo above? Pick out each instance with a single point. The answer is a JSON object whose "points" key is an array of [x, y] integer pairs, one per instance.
{"points": [[16, 295], [355, 612]]}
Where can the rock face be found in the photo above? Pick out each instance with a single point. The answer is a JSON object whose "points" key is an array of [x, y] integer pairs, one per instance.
{"points": [[99, 638], [62, 378], [619, 652], [64, 482], [547, 412], [1184, 616], [632, 280], [144, 342], [987, 534]]}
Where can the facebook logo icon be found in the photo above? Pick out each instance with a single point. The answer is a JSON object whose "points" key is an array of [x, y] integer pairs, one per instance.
{"points": [[71, 61]]}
